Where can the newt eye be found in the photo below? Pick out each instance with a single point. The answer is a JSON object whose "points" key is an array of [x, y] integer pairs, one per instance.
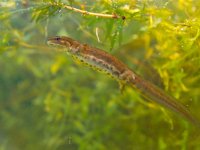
{"points": [[57, 38]]}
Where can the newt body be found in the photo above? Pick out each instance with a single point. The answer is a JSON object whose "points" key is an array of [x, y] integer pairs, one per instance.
{"points": [[109, 64]]}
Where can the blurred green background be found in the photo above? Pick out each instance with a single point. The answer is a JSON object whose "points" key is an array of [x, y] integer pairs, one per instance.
{"points": [[47, 101]]}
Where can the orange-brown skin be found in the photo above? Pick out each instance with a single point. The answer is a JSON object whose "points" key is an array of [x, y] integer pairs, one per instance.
{"points": [[109, 64]]}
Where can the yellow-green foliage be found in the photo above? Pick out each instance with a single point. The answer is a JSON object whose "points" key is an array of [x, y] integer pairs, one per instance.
{"points": [[49, 102]]}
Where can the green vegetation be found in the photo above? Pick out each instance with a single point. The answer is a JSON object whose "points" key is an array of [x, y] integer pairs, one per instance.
{"points": [[49, 102]]}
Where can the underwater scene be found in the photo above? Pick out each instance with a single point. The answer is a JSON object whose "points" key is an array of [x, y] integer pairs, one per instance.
{"points": [[99, 75]]}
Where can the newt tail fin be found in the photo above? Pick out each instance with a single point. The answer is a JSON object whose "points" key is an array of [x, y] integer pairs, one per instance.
{"points": [[157, 95]]}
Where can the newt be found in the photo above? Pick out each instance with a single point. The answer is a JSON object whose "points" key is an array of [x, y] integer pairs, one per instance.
{"points": [[103, 61]]}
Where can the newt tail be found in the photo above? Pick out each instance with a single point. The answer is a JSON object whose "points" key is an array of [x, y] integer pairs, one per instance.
{"points": [[103, 61], [154, 93]]}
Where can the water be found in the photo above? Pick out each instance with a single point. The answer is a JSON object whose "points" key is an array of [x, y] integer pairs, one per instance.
{"points": [[48, 101]]}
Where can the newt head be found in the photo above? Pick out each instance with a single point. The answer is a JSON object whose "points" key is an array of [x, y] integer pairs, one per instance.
{"points": [[60, 41], [64, 42]]}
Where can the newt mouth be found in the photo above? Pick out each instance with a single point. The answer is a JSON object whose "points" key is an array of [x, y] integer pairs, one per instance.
{"points": [[55, 41]]}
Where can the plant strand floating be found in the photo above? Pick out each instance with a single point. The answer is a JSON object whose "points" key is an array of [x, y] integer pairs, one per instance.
{"points": [[84, 12]]}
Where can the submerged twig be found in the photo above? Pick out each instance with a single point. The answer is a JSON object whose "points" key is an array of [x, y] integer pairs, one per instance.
{"points": [[84, 12]]}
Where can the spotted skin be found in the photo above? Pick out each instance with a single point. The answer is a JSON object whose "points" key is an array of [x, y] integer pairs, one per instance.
{"points": [[105, 62]]}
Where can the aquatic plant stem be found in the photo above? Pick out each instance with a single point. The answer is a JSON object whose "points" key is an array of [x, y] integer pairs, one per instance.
{"points": [[84, 12]]}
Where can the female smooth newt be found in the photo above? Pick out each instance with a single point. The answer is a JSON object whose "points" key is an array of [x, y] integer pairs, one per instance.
{"points": [[109, 64]]}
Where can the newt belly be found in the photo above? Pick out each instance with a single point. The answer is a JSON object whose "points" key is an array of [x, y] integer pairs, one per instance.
{"points": [[103, 61]]}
